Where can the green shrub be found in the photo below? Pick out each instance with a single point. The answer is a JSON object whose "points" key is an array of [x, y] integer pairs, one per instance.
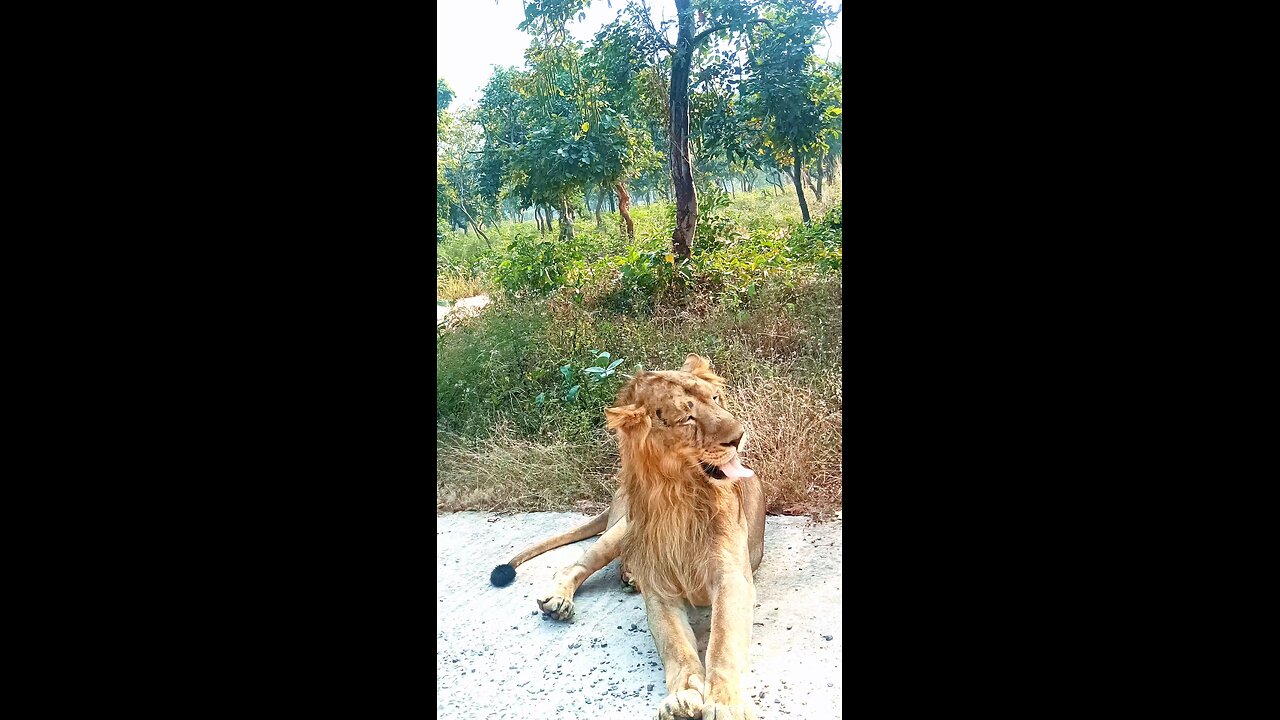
{"points": [[719, 224], [537, 376], [538, 264], [820, 243]]}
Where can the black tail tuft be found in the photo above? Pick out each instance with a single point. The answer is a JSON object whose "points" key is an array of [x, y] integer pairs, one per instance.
{"points": [[502, 575]]}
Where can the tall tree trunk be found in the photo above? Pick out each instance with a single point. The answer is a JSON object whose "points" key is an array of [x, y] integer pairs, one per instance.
{"points": [[795, 177], [624, 203], [476, 226], [808, 177], [612, 208], [818, 190], [599, 202], [537, 217], [566, 220], [681, 168]]}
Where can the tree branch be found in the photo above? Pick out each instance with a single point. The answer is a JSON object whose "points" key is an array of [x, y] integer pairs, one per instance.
{"points": [[717, 28], [648, 21]]}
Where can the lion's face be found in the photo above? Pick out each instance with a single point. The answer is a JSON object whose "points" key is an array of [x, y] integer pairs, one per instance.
{"points": [[679, 416]]}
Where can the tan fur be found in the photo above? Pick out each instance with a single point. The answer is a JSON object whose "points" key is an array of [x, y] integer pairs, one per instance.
{"points": [[683, 535]]}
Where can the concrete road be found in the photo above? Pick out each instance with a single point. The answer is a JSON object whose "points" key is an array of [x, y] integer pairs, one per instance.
{"points": [[498, 657]]}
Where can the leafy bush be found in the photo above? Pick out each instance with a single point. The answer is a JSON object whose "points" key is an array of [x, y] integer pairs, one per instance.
{"points": [[640, 279], [518, 367], [820, 243], [718, 224], [600, 378], [538, 264]]}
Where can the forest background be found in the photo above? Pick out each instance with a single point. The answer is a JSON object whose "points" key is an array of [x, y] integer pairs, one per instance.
{"points": [[671, 185]]}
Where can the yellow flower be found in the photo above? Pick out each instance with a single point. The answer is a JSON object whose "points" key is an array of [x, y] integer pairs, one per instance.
{"points": [[586, 127], [671, 258]]}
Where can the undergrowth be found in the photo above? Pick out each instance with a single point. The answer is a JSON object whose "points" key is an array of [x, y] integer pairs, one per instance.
{"points": [[522, 387]]}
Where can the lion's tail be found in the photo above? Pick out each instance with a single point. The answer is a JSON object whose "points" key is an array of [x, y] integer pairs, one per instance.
{"points": [[504, 574]]}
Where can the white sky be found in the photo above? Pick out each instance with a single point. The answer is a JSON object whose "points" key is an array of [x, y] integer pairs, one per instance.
{"points": [[474, 35]]}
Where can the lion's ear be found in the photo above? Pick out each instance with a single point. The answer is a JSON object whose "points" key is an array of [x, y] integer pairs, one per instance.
{"points": [[701, 367], [694, 363], [625, 417]]}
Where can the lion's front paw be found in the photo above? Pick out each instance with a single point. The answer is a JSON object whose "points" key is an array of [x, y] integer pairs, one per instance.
{"points": [[721, 711], [557, 606], [683, 704]]}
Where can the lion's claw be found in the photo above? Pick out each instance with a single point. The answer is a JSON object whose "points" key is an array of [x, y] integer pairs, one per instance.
{"points": [[629, 583], [560, 608], [683, 704]]}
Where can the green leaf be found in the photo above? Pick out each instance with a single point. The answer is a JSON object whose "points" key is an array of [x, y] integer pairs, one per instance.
{"points": [[567, 372], [573, 393], [542, 397], [615, 364]]}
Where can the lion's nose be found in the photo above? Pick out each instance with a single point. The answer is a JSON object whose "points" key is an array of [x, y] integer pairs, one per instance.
{"points": [[734, 442]]}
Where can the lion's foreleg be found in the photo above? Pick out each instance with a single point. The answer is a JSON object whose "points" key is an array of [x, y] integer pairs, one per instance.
{"points": [[729, 645], [669, 626], [557, 600]]}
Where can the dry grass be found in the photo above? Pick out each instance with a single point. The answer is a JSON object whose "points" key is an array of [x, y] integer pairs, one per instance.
{"points": [[793, 442], [502, 473], [454, 284]]}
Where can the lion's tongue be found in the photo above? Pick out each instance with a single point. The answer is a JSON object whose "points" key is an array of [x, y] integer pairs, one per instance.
{"points": [[735, 469]]}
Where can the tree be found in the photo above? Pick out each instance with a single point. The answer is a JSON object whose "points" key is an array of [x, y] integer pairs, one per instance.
{"points": [[785, 28], [614, 71], [793, 103], [444, 208], [552, 164], [457, 171], [577, 109], [444, 95], [736, 22], [502, 115]]}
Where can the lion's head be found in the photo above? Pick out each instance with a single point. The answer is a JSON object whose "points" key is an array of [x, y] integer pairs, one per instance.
{"points": [[673, 421]]}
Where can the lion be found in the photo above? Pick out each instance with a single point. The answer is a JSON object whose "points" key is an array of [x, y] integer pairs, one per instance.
{"points": [[688, 522]]}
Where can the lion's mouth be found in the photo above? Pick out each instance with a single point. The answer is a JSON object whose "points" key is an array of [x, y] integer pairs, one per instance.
{"points": [[731, 468]]}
